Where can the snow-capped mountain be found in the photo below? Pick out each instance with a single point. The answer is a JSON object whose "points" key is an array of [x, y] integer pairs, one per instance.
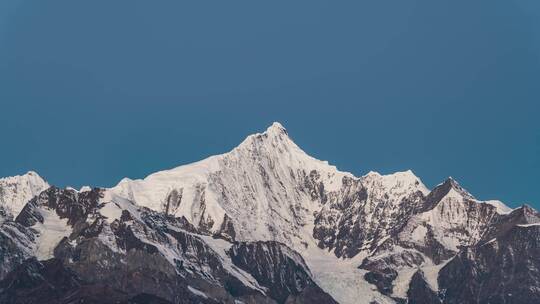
{"points": [[16, 191], [258, 191], [267, 223]]}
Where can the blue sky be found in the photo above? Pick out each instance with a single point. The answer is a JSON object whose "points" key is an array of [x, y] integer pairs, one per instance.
{"points": [[92, 91]]}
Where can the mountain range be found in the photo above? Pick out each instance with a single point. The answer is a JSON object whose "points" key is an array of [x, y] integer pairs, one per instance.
{"points": [[264, 223]]}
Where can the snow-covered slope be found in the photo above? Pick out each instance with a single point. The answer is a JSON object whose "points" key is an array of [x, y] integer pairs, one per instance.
{"points": [[16, 191], [457, 219], [500, 206], [260, 189]]}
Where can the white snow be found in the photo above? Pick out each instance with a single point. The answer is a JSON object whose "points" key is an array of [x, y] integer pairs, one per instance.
{"points": [[108, 238], [51, 232], [85, 189], [419, 234], [398, 183], [529, 225], [112, 211], [491, 241], [500, 206], [447, 219], [388, 192], [431, 274], [197, 292], [114, 204], [454, 195], [341, 278], [401, 284], [153, 190], [221, 247], [16, 191]]}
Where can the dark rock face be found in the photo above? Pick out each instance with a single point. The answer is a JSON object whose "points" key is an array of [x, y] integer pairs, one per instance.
{"points": [[314, 186], [281, 270], [334, 227], [382, 278], [136, 255], [475, 227], [420, 293], [437, 194], [4, 215], [68, 204], [227, 229], [34, 281], [52, 282], [138, 264], [504, 270], [359, 216], [145, 298], [173, 201], [15, 243], [503, 224]]}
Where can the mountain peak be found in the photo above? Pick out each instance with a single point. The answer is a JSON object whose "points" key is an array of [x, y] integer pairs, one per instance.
{"points": [[499, 206], [28, 174], [16, 191], [398, 179], [528, 210], [275, 135], [276, 128], [32, 173], [449, 188], [451, 183], [30, 177]]}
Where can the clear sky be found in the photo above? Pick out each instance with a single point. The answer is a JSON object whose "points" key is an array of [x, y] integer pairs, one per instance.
{"points": [[92, 91]]}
